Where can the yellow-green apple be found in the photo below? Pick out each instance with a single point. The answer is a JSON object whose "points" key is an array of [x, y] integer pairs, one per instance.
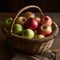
{"points": [[46, 20], [28, 33], [39, 36], [44, 30], [8, 22], [29, 15], [18, 28], [21, 20], [31, 23], [38, 19]]}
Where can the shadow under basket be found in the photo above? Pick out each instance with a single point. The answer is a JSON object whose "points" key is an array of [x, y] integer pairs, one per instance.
{"points": [[34, 45]]}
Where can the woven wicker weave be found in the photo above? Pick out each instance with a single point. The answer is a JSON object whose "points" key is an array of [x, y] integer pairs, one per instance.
{"points": [[28, 45]]}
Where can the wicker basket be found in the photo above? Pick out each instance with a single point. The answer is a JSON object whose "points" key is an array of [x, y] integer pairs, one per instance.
{"points": [[34, 45]]}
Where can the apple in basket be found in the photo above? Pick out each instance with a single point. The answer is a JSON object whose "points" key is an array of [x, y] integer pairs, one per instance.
{"points": [[31, 23], [46, 20], [28, 33], [39, 36], [21, 20], [44, 30], [38, 19], [18, 28], [29, 15], [8, 22]]}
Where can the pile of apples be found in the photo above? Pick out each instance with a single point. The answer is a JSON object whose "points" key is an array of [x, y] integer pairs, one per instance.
{"points": [[31, 26]]}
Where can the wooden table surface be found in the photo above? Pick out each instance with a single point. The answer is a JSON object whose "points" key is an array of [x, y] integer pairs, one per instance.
{"points": [[3, 51]]}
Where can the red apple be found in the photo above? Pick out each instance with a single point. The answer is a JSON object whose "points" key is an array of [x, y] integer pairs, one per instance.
{"points": [[31, 23], [46, 20], [44, 30]]}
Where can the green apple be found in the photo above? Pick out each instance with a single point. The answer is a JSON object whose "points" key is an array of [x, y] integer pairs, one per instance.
{"points": [[8, 22], [39, 36], [18, 28], [28, 33], [29, 15]]}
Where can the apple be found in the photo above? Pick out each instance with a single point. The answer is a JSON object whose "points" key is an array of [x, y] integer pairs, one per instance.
{"points": [[46, 20], [18, 28], [8, 22], [31, 23], [28, 33], [21, 20], [44, 30], [38, 19], [39, 36], [29, 15]]}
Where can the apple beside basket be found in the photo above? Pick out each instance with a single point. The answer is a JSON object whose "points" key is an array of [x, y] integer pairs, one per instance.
{"points": [[34, 45]]}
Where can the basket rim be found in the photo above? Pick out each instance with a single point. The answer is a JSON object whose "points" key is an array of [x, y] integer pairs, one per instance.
{"points": [[35, 40]]}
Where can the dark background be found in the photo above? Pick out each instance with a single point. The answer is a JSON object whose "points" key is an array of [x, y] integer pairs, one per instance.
{"points": [[15, 5]]}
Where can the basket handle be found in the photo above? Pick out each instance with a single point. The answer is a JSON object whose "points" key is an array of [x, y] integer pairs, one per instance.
{"points": [[23, 9]]}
